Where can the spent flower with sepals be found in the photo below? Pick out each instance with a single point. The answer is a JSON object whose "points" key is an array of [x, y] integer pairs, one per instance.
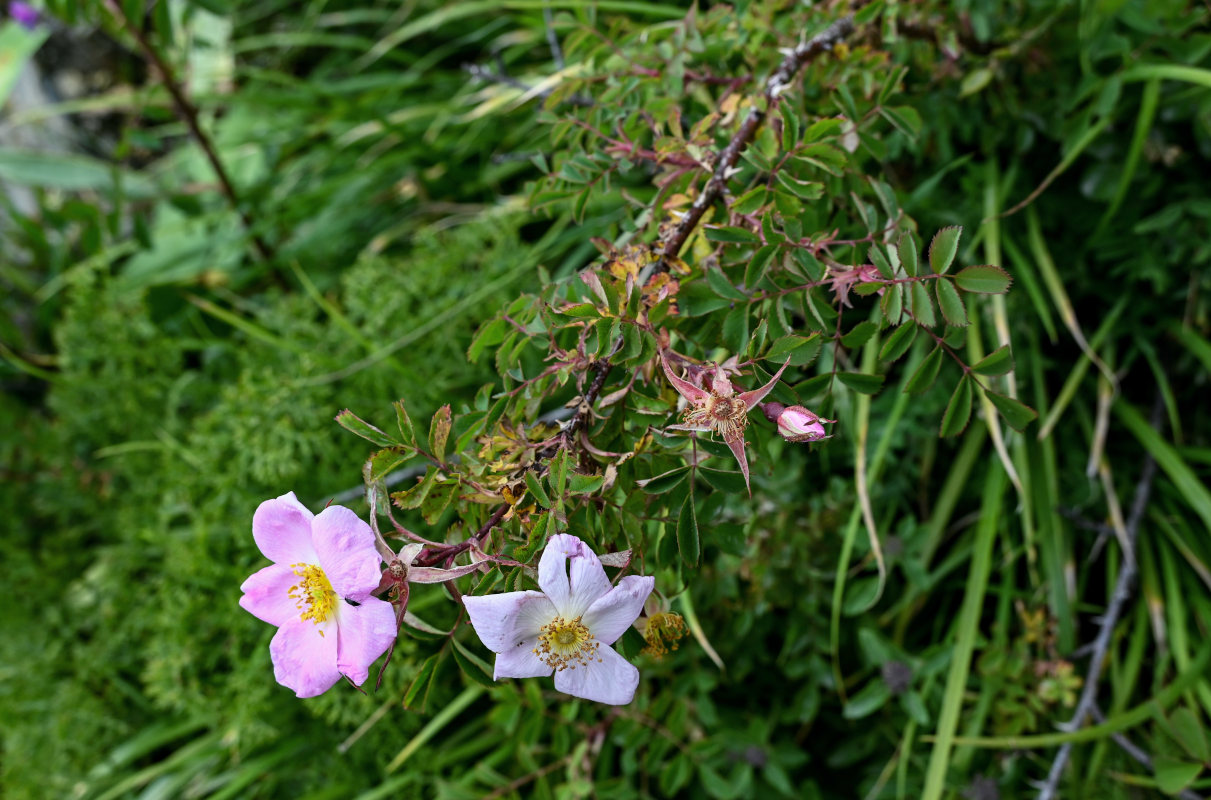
{"points": [[719, 408], [320, 561], [568, 627], [660, 627]]}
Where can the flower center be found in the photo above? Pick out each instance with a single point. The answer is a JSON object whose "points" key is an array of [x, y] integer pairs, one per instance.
{"points": [[727, 416], [313, 595], [563, 644]]}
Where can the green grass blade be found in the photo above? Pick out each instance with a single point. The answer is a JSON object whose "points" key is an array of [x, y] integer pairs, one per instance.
{"points": [[1143, 124], [968, 629], [439, 721], [1116, 724], [1171, 72], [1192, 490]]}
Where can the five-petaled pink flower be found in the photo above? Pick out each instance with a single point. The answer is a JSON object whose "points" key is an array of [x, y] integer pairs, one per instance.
{"points": [[568, 627], [796, 423], [318, 560], [720, 408]]}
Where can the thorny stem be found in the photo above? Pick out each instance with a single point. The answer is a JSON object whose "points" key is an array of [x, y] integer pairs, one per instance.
{"points": [[968, 372], [188, 113], [429, 557], [774, 86], [600, 369], [726, 163], [1122, 591]]}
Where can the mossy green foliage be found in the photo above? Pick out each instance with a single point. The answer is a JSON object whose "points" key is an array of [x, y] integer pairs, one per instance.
{"points": [[188, 378]]}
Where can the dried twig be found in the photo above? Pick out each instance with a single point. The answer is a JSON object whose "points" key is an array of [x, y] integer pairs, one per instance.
{"points": [[431, 556], [188, 113], [1120, 595], [552, 40], [485, 74], [502, 77]]}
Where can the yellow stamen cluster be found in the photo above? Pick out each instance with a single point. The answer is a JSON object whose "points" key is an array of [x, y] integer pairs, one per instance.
{"points": [[564, 644], [662, 632], [313, 595], [727, 416]]}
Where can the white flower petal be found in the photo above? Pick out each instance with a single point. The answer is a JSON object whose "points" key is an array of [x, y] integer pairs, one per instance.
{"points": [[409, 552], [503, 620], [613, 613], [520, 662], [571, 575], [612, 680]]}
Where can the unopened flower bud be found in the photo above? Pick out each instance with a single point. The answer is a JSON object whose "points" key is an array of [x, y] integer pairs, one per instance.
{"points": [[796, 423]]}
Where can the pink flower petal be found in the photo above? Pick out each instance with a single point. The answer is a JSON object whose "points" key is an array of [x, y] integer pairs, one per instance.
{"points": [[520, 662], [737, 447], [612, 680], [689, 391], [435, 575], [267, 595], [282, 530], [613, 613], [571, 575], [365, 633], [345, 545], [304, 657], [502, 621], [720, 383], [755, 396]]}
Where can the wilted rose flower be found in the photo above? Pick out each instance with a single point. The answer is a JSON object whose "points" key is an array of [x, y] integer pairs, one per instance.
{"points": [[842, 280], [568, 627], [796, 423], [320, 561], [719, 409]]}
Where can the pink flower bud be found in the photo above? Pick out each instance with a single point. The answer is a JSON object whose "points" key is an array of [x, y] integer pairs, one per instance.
{"points": [[796, 423]]}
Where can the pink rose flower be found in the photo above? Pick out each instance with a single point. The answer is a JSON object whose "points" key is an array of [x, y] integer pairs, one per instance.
{"points": [[319, 562], [796, 423], [568, 627]]}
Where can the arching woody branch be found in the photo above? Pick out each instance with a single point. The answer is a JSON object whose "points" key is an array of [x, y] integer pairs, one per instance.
{"points": [[725, 163], [775, 85]]}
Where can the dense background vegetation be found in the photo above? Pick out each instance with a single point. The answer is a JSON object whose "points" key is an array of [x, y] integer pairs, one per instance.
{"points": [[171, 358]]}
